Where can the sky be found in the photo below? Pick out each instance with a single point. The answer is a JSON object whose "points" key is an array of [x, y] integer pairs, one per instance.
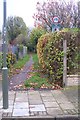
{"points": [[21, 8]]}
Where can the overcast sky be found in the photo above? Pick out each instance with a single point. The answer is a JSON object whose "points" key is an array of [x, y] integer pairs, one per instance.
{"points": [[22, 8]]}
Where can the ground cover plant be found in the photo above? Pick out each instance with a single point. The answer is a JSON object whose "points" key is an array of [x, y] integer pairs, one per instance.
{"points": [[15, 69], [37, 79]]}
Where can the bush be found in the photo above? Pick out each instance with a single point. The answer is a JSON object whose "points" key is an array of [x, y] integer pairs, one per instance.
{"points": [[50, 53], [35, 35], [11, 59], [73, 47], [53, 56], [42, 41]]}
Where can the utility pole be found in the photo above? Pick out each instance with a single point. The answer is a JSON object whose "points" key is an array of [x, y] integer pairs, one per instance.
{"points": [[4, 69]]}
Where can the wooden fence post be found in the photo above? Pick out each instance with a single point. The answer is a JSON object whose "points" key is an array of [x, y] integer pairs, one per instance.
{"points": [[65, 63]]}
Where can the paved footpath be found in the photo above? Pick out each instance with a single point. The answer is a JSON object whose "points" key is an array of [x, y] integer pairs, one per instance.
{"points": [[36, 103], [19, 79]]}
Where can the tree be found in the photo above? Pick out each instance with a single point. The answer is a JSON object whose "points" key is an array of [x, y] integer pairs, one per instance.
{"points": [[21, 39], [15, 27], [35, 35], [66, 11]]}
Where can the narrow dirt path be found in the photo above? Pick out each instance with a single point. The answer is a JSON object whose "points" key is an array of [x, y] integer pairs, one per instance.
{"points": [[18, 79]]}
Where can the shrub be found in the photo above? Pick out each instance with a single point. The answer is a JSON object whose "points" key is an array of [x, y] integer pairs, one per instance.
{"points": [[35, 35], [53, 56], [50, 53], [42, 41], [11, 59], [73, 47]]}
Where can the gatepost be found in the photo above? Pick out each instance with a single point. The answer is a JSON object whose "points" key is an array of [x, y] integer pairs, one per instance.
{"points": [[65, 63]]}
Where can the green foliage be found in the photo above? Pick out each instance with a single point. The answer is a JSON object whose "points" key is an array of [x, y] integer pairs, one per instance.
{"points": [[73, 30], [11, 59], [40, 48], [21, 48], [21, 62], [36, 62], [15, 68], [50, 53], [53, 56], [0, 60], [15, 26], [21, 39], [73, 52], [35, 35], [36, 81]]}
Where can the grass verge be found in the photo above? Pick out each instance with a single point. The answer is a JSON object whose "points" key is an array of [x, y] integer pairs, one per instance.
{"points": [[21, 62], [37, 79], [15, 69]]}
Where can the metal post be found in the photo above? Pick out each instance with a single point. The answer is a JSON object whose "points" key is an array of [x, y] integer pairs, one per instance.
{"points": [[65, 63], [4, 69]]}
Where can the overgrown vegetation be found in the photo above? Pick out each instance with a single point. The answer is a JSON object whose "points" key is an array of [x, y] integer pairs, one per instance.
{"points": [[0, 60], [15, 69], [37, 79], [50, 53], [21, 62], [15, 26], [11, 59], [34, 36]]}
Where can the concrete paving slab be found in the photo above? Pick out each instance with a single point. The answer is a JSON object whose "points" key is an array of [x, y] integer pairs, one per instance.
{"points": [[39, 103], [51, 104], [22, 105], [62, 100], [67, 105], [46, 93], [34, 108], [1, 104], [54, 111], [0, 114], [23, 99], [9, 110], [34, 97], [48, 99], [20, 112], [72, 111], [11, 102], [35, 102], [21, 94], [0, 95], [32, 92]]}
